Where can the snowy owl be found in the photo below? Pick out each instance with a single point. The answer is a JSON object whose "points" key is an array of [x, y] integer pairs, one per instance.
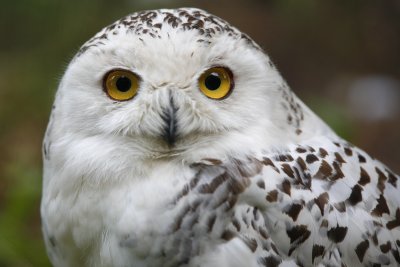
{"points": [[174, 141]]}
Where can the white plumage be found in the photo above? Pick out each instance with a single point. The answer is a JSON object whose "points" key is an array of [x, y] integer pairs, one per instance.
{"points": [[174, 141]]}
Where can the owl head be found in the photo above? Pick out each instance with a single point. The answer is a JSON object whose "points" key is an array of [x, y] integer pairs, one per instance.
{"points": [[176, 82]]}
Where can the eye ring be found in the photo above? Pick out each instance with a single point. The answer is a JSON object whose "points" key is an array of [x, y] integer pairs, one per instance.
{"points": [[216, 83], [121, 84]]}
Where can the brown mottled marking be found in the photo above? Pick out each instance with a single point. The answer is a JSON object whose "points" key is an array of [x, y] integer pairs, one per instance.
{"points": [[261, 184], [311, 158], [228, 235], [325, 170], [270, 261], [210, 222], [364, 177], [213, 161], [294, 211], [214, 184], [339, 158], [396, 255], [178, 221], [336, 144], [361, 249], [381, 207], [288, 170], [375, 238], [392, 178], [272, 196], [263, 232], [298, 235], [338, 172], [322, 152], [301, 163], [249, 169], [317, 251], [237, 187], [337, 234], [236, 224], [250, 242], [301, 150], [321, 201], [348, 151], [324, 223], [361, 158], [396, 222], [381, 179], [356, 195], [385, 248], [284, 158], [340, 206], [286, 187], [231, 202], [268, 162]]}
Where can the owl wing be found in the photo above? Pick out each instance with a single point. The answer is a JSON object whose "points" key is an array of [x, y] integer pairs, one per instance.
{"points": [[321, 202]]}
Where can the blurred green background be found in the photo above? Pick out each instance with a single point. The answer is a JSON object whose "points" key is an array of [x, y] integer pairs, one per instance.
{"points": [[342, 57]]}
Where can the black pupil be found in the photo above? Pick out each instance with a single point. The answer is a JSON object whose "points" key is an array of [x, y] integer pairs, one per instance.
{"points": [[123, 84], [212, 81]]}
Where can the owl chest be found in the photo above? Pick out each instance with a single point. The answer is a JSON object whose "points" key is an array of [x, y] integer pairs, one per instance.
{"points": [[131, 221]]}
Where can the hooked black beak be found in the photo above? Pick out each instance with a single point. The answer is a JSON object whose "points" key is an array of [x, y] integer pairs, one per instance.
{"points": [[169, 118]]}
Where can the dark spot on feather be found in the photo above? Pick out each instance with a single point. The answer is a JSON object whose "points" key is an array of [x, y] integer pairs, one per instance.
{"points": [[263, 232], [324, 223], [364, 177], [324, 171], [284, 158], [288, 170], [322, 152], [311, 158], [337, 234], [301, 150], [261, 184], [381, 207], [236, 224], [317, 251], [321, 201], [338, 172], [396, 255], [340, 206], [294, 211], [348, 151], [272, 196], [270, 261], [214, 184], [381, 179], [385, 248], [361, 249], [301, 163], [356, 195], [211, 222], [298, 235], [339, 158], [251, 243], [396, 222], [228, 235], [361, 158], [268, 162], [392, 178], [336, 144], [286, 187]]}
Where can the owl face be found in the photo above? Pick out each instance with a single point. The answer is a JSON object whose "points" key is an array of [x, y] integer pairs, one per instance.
{"points": [[168, 81]]}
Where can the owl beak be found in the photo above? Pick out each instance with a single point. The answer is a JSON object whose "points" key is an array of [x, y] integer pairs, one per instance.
{"points": [[170, 122]]}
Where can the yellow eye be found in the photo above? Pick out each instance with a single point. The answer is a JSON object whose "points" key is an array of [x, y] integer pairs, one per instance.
{"points": [[216, 83], [121, 84]]}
